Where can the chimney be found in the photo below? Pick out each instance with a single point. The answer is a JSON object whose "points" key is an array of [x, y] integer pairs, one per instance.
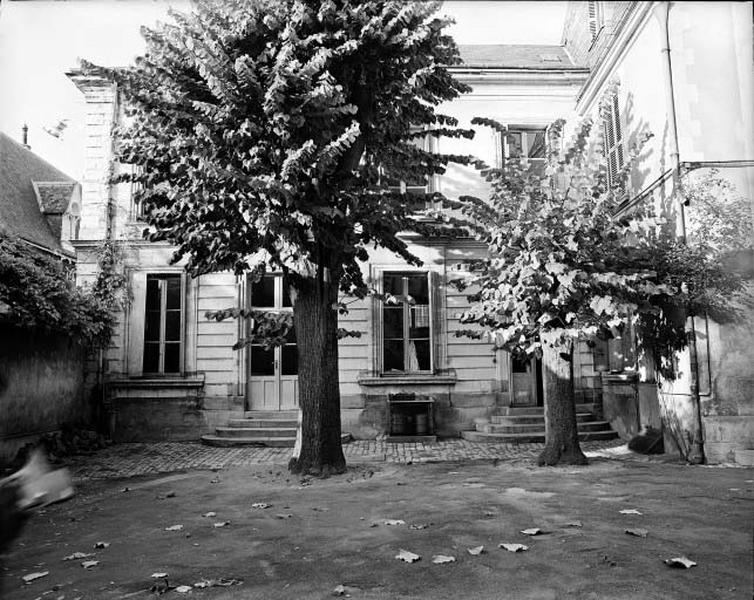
{"points": [[25, 136]]}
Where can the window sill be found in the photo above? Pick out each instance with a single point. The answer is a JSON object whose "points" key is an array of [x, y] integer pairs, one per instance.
{"points": [[162, 381], [408, 379]]}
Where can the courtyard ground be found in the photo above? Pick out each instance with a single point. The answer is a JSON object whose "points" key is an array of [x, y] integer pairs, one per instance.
{"points": [[321, 538]]}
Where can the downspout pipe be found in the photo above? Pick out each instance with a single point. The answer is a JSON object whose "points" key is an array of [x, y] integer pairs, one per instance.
{"points": [[662, 12]]}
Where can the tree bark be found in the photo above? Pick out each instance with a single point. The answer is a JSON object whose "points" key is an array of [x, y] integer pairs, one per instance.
{"points": [[318, 448], [561, 432]]}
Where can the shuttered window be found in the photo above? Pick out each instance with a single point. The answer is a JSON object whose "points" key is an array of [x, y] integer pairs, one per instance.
{"points": [[595, 18], [613, 143]]}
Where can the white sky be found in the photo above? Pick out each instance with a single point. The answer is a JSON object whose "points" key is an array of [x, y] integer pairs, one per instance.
{"points": [[41, 40]]}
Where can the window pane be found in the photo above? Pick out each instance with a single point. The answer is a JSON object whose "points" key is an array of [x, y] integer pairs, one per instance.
{"points": [[393, 284], [419, 355], [263, 292], [419, 325], [514, 144], [153, 293], [418, 289], [173, 326], [290, 337], [172, 358], [393, 356], [286, 294], [173, 291], [262, 361], [289, 359], [536, 144], [393, 322], [151, 357], [152, 326]]}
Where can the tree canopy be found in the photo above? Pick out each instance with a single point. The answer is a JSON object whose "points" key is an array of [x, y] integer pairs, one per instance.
{"points": [[268, 132]]}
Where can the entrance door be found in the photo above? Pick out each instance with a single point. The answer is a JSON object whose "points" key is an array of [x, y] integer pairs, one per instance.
{"points": [[527, 381], [273, 373]]}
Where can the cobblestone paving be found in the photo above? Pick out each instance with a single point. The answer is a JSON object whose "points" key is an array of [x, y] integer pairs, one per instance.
{"points": [[130, 460]]}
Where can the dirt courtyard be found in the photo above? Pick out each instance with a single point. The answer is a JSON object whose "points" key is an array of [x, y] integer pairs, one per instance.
{"points": [[274, 536]]}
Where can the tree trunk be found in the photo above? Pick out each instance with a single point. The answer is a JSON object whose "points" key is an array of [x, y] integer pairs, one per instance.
{"points": [[561, 433], [318, 449]]}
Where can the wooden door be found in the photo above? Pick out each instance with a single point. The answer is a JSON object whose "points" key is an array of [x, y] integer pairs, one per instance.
{"points": [[273, 373]]}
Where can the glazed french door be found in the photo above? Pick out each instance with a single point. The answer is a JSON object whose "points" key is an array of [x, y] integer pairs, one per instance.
{"points": [[272, 373]]}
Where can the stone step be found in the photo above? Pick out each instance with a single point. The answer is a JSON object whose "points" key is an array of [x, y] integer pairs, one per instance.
{"points": [[530, 438], [538, 427], [224, 442], [255, 432], [287, 415], [540, 410], [263, 423], [533, 419], [276, 442]]}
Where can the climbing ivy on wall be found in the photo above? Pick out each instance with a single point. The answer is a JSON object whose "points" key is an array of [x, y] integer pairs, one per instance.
{"points": [[37, 292]]}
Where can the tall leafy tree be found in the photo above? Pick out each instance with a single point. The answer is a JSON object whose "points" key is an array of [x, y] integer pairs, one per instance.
{"points": [[562, 267], [268, 132]]}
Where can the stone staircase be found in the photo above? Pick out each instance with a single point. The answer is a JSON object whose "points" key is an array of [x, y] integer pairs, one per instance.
{"points": [[257, 428], [260, 428], [526, 424]]}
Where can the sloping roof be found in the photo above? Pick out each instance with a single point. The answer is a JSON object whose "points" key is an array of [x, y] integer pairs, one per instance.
{"points": [[20, 214], [54, 196], [516, 56]]}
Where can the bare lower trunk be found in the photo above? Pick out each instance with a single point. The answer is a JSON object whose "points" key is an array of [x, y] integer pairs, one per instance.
{"points": [[561, 432], [318, 448]]}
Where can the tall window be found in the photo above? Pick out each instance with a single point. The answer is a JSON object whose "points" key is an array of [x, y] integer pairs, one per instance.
{"points": [[406, 323], [137, 208], [162, 324], [613, 142]]}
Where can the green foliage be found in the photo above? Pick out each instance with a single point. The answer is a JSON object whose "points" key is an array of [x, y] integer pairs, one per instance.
{"points": [[268, 131], [38, 292], [563, 266]]}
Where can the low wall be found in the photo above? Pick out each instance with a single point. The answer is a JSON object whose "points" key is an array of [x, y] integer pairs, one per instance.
{"points": [[41, 386]]}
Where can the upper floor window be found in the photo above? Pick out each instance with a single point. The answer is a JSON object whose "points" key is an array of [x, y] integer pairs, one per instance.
{"points": [[407, 328], [137, 208], [418, 185], [163, 324], [525, 143], [613, 142], [596, 18]]}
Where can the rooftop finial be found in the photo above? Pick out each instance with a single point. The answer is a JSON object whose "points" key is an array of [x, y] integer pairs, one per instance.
{"points": [[25, 135]]}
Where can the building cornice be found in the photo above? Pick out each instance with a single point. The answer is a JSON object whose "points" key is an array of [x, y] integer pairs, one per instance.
{"points": [[532, 76]]}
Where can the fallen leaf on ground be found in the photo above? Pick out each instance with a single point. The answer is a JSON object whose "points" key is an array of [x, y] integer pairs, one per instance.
{"points": [[126, 489], [261, 505], [183, 589], [318, 509], [222, 523], [532, 531], [407, 556], [440, 559], [283, 516], [638, 532], [630, 511], [474, 484], [168, 495], [174, 528], [393, 522], [88, 564], [339, 591], [419, 526], [33, 576], [210, 514], [476, 551], [680, 562], [78, 555], [514, 547], [101, 545], [573, 524], [158, 575], [489, 513]]}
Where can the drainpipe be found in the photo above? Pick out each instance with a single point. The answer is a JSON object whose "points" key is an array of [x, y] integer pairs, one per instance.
{"points": [[662, 12]]}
